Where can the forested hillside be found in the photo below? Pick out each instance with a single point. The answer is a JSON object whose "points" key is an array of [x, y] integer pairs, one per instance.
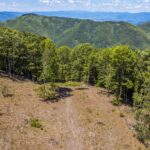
{"points": [[119, 69], [20, 53], [70, 32], [146, 27]]}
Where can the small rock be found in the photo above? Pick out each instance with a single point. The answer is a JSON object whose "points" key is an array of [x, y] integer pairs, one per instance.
{"points": [[53, 142], [100, 123]]}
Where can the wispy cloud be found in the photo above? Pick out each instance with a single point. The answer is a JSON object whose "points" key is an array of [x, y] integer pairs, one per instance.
{"points": [[90, 5]]}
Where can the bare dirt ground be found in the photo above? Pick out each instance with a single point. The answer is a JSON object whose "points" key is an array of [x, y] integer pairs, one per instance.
{"points": [[86, 120]]}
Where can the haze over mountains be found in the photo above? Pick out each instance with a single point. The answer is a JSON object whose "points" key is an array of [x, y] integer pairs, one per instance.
{"points": [[9, 15], [67, 31], [134, 18]]}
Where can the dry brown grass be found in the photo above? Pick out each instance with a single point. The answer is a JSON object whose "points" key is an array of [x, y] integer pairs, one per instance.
{"points": [[86, 114]]}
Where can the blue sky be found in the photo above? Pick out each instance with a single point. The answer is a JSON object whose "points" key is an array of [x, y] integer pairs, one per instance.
{"points": [[89, 5]]}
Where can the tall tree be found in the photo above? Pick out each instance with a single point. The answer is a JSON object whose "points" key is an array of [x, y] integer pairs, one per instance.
{"points": [[49, 61], [64, 65]]}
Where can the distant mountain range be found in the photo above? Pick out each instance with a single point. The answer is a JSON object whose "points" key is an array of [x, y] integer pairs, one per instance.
{"points": [[9, 15], [133, 18], [68, 31]]}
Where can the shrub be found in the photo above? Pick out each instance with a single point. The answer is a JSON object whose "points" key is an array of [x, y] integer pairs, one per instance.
{"points": [[48, 91], [35, 123], [143, 125], [116, 102]]}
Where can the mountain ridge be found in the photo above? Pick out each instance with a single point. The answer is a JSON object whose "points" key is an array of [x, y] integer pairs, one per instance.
{"points": [[70, 32], [133, 18]]}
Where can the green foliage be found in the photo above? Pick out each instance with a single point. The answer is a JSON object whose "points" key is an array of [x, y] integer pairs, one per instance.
{"points": [[142, 96], [48, 91], [143, 125], [20, 53], [35, 123], [116, 102], [70, 84], [64, 65], [71, 32], [80, 62], [123, 63], [145, 27], [49, 61]]}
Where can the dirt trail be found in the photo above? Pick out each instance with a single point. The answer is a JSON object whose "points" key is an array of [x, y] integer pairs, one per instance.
{"points": [[84, 121], [75, 132]]}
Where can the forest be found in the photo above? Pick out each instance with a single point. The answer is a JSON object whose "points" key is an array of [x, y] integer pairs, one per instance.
{"points": [[72, 32], [120, 69]]}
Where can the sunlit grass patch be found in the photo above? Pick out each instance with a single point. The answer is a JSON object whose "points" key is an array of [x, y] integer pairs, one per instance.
{"points": [[70, 84], [35, 123]]}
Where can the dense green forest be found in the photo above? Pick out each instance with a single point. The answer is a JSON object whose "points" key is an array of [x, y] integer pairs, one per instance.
{"points": [[71, 32], [120, 69], [146, 27]]}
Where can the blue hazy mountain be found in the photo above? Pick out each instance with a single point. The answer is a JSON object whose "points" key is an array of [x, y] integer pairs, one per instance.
{"points": [[134, 18], [9, 15]]}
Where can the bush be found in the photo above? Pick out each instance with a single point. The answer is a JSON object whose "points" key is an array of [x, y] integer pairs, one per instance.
{"points": [[116, 102], [48, 91], [143, 125], [35, 123]]}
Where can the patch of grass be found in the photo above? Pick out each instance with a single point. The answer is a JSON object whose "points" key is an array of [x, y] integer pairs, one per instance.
{"points": [[35, 123], [6, 91], [117, 102], [70, 84]]}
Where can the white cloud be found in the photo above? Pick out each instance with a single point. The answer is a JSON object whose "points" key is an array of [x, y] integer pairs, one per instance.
{"points": [[45, 1], [89, 5], [146, 1], [50, 2], [14, 4], [2, 4], [71, 1]]}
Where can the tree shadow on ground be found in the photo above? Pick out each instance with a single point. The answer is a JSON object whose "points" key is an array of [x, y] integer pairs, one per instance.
{"points": [[105, 92], [62, 92], [81, 88]]}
